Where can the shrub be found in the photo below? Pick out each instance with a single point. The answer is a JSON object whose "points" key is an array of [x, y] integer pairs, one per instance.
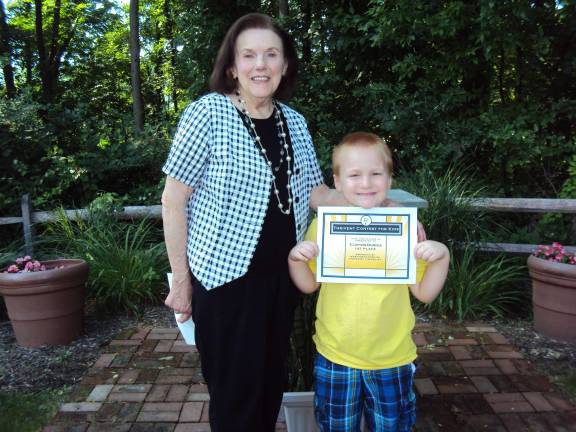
{"points": [[8, 255], [450, 216], [477, 288], [302, 348], [127, 260], [27, 411]]}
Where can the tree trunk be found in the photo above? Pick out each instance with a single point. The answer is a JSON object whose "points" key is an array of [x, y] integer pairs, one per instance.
{"points": [[42, 59], [49, 61], [519, 75], [56, 50], [6, 52], [28, 48], [306, 43], [283, 8], [137, 102], [173, 51]]}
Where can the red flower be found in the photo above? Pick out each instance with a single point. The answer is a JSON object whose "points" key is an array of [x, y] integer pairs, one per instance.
{"points": [[555, 253], [24, 265]]}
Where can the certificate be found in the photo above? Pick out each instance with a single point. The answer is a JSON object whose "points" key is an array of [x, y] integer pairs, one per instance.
{"points": [[369, 246]]}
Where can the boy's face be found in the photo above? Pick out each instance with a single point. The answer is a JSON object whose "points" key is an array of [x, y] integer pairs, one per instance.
{"points": [[363, 178]]}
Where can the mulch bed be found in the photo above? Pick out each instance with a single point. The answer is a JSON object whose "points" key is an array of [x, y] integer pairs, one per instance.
{"points": [[34, 369], [551, 358]]}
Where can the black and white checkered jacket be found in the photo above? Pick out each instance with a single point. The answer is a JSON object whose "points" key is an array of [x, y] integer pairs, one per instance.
{"points": [[213, 153]]}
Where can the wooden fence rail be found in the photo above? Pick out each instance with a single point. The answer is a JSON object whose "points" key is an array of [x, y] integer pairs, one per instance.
{"points": [[526, 205], [515, 248], [523, 205]]}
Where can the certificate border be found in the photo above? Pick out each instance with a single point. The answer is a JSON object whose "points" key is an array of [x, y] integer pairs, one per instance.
{"points": [[410, 212]]}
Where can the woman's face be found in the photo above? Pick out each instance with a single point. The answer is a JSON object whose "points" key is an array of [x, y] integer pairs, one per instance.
{"points": [[259, 63]]}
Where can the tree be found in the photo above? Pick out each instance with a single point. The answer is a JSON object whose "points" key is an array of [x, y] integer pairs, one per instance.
{"points": [[282, 8], [50, 56], [137, 101], [168, 14], [487, 83], [6, 53]]}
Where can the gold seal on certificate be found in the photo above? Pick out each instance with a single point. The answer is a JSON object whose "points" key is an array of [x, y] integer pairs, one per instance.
{"points": [[372, 246]]}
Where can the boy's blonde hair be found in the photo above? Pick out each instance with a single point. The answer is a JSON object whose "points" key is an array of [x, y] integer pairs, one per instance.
{"points": [[362, 139]]}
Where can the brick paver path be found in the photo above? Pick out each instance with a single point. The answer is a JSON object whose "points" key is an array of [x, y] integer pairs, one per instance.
{"points": [[469, 378]]}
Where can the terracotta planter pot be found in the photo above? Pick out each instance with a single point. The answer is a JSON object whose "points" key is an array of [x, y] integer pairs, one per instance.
{"points": [[554, 298], [46, 307]]}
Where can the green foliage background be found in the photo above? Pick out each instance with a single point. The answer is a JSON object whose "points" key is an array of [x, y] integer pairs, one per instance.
{"points": [[490, 85], [28, 412]]}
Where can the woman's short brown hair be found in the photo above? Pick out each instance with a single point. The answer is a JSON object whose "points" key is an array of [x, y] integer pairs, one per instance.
{"points": [[221, 80]]}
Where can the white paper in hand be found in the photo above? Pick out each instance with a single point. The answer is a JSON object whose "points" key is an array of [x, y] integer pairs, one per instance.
{"points": [[187, 327]]}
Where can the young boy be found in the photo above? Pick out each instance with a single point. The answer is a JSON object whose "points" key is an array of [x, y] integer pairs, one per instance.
{"points": [[363, 332]]}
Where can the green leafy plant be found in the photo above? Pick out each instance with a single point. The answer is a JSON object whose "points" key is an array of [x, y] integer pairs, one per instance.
{"points": [[29, 412], [566, 379], [450, 216], [8, 255], [127, 260], [569, 187], [302, 348], [125, 274], [477, 288]]}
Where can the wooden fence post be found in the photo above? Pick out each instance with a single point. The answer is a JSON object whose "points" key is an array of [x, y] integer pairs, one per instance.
{"points": [[27, 224]]}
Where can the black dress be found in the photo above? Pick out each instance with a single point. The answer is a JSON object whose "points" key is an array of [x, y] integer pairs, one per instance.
{"points": [[243, 327]]}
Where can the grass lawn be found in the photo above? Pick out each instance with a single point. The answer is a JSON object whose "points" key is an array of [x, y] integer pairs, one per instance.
{"points": [[29, 412], [566, 380]]}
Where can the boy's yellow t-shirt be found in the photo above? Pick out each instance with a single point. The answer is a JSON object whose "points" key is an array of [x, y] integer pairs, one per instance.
{"points": [[364, 326]]}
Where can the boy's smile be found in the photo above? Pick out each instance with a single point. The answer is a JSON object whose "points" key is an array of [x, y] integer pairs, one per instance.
{"points": [[362, 178]]}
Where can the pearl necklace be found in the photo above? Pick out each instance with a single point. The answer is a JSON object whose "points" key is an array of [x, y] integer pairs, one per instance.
{"points": [[285, 147]]}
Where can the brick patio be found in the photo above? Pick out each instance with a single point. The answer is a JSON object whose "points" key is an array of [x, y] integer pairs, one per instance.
{"points": [[469, 378]]}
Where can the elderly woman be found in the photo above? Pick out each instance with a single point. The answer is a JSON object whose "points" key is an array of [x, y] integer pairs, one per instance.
{"points": [[239, 179]]}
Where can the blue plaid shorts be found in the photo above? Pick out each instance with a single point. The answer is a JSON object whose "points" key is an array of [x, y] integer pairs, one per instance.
{"points": [[385, 396]]}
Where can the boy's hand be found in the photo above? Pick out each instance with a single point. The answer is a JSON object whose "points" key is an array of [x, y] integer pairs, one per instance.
{"points": [[430, 251], [304, 251], [438, 258]]}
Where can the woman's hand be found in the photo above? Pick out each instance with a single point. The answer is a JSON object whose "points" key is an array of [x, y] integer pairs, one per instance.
{"points": [[421, 232], [180, 297], [322, 195]]}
